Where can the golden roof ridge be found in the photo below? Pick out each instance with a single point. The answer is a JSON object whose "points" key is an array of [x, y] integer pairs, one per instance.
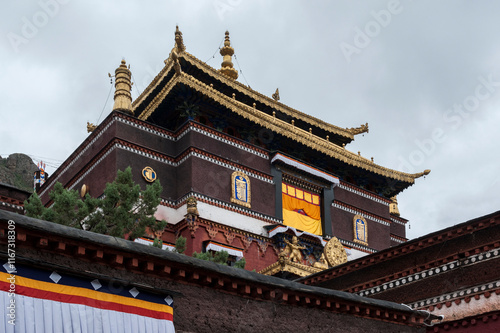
{"points": [[271, 102], [289, 130]]}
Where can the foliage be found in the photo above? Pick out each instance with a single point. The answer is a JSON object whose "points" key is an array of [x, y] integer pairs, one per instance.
{"points": [[124, 209], [220, 257], [157, 243], [240, 263], [180, 244]]}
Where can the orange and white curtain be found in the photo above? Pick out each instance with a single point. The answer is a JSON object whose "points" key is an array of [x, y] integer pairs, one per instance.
{"points": [[301, 209]]}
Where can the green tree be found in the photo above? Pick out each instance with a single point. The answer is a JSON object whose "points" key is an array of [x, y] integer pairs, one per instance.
{"points": [[124, 209], [180, 244], [220, 257]]}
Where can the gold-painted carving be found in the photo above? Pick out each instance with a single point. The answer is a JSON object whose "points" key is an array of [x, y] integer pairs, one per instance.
{"points": [[360, 229], [240, 189], [321, 263], [192, 206], [192, 215], [358, 130], [285, 265], [149, 174], [294, 249], [334, 252], [90, 127]]}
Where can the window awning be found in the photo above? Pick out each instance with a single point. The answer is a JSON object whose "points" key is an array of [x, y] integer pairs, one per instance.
{"points": [[233, 251], [147, 241], [304, 167], [283, 228]]}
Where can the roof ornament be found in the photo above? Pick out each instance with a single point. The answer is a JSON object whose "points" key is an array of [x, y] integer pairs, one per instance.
{"points": [[177, 64], [123, 85], [276, 95], [358, 130], [393, 206], [179, 42], [227, 63], [90, 127], [420, 174]]}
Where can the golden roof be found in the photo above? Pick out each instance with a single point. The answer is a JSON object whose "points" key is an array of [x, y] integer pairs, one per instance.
{"points": [[265, 120]]}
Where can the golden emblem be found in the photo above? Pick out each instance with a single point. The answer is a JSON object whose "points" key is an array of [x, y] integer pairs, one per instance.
{"points": [[84, 190], [149, 174], [240, 189], [360, 229], [334, 252]]}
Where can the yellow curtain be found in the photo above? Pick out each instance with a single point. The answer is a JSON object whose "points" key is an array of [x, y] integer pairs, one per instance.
{"points": [[302, 222], [295, 199]]}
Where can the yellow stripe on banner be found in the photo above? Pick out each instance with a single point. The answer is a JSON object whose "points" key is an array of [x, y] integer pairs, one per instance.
{"points": [[283, 188], [316, 199], [308, 197], [83, 292], [299, 194]]}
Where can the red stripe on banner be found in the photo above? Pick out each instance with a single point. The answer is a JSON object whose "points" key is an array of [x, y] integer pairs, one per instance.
{"points": [[73, 299]]}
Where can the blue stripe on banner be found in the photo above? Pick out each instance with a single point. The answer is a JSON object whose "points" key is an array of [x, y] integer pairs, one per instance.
{"points": [[110, 287]]}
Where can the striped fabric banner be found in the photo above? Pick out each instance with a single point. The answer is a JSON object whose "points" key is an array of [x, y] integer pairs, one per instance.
{"points": [[52, 302]]}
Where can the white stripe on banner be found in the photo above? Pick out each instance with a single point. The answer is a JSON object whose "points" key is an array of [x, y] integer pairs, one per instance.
{"points": [[45, 316]]}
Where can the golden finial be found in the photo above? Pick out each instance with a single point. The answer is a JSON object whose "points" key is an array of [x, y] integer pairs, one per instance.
{"points": [[179, 42], [293, 122], [310, 130], [343, 145], [123, 98], [372, 159], [254, 105], [227, 63], [274, 114], [276, 95], [393, 206], [327, 138], [234, 96]]}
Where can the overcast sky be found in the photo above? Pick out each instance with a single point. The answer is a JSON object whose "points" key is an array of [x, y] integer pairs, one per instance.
{"points": [[425, 75]]}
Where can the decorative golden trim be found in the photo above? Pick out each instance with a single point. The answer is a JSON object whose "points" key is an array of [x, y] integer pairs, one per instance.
{"points": [[283, 128], [334, 252], [266, 100], [358, 130], [360, 230], [169, 63], [240, 189], [285, 265], [90, 127]]}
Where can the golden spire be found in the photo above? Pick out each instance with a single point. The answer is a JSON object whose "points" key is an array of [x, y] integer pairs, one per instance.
{"points": [[179, 42], [393, 206], [123, 98], [227, 63]]}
